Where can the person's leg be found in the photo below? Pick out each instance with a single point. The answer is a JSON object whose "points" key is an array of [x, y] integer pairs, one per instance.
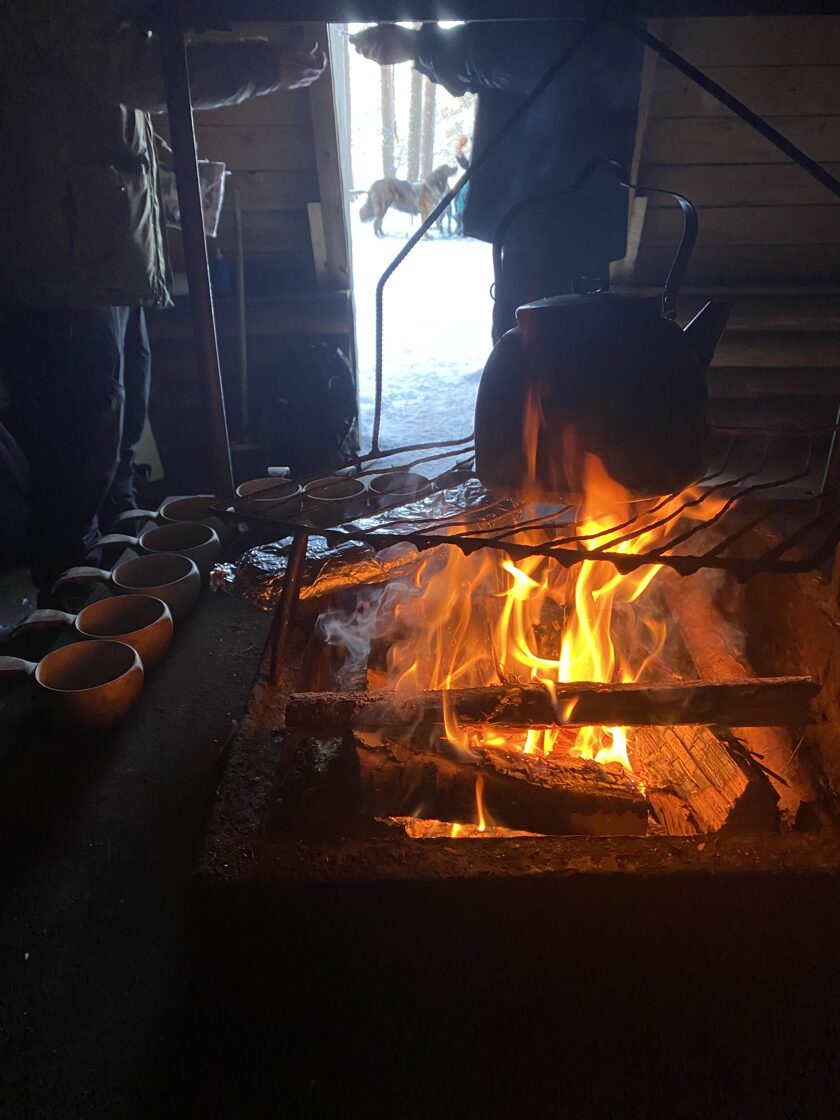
{"points": [[137, 373], [65, 376]]}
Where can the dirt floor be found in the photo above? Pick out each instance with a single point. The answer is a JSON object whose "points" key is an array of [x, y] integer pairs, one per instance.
{"points": [[99, 842]]}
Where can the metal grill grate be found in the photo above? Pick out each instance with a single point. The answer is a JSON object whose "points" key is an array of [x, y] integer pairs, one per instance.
{"points": [[760, 508]]}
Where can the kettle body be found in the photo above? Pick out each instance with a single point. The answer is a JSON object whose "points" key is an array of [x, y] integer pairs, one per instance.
{"points": [[604, 374]]}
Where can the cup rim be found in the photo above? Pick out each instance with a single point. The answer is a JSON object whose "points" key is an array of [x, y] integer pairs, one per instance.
{"points": [[171, 527], [286, 488], [311, 488], [84, 649], [187, 573], [423, 483], [163, 613]]}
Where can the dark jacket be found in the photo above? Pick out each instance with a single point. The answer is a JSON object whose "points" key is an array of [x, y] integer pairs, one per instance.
{"points": [[589, 110], [80, 215]]}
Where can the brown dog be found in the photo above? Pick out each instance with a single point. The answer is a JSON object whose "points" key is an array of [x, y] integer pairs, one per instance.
{"points": [[410, 198]]}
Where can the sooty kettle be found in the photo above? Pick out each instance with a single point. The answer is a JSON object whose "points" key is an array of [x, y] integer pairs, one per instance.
{"points": [[603, 373]]}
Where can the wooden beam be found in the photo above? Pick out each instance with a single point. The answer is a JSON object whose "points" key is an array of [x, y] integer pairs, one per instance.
{"points": [[749, 225], [729, 140], [747, 702], [737, 184], [771, 91], [746, 265], [332, 253]]}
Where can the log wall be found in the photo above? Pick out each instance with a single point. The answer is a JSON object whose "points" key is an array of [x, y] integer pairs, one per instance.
{"points": [[769, 233], [296, 262]]}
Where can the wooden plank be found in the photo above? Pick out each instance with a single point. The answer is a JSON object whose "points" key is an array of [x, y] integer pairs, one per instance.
{"points": [[744, 184], [774, 349], [333, 270], [276, 190], [730, 140], [284, 108], [812, 40], [746, 383], [315, 211], [258, 148], [753, 225], [788, 91], [788, 412], [312, 314], [749, 264], [637, 205], [769, 312], [266, 231]]}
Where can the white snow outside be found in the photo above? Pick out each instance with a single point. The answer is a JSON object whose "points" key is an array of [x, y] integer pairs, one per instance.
{"points": [[437, 304], [436, 339]]}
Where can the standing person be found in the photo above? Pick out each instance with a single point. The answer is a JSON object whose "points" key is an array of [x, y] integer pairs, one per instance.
{"points": [[83, 241], [587, 112]]}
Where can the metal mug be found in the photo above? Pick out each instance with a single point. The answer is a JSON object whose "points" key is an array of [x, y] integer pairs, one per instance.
{"points": [[396, 488], [269, 496], [193, 539], [140, 621], [92, 685], [167, 575]]}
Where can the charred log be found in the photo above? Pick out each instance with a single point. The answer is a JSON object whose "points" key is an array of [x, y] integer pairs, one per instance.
{"points": [[746, 702], [551, 796]]}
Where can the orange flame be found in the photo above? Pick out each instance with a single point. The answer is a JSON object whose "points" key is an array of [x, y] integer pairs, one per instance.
{"points": [[479, 618]]}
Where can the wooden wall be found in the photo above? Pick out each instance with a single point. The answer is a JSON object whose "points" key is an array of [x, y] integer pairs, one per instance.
{"points": [[763, 220], [281, 151]]}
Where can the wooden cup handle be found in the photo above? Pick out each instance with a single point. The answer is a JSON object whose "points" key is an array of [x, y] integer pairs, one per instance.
{"points": [[130, 515], [15, 666], [43, 620], [123, 539], [82, 574]]}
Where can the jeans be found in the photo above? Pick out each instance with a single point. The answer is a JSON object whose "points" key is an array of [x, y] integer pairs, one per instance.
{"points": [[78, 383]]}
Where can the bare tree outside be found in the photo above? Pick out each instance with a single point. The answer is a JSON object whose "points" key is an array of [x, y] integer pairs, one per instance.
{"points": [[415, 126], [389, 123], [427, 145]]}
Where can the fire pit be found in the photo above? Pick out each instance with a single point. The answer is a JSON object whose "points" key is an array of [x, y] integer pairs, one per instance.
{"points": [[493, 688]]}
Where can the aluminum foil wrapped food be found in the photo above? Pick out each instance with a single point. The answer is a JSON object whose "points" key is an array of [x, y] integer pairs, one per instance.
{"points": [[258, 575]]}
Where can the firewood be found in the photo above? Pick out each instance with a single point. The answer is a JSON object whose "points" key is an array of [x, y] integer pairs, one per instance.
{"points": [[712, 646], [748, 702], [554, 796], [696, 785]]}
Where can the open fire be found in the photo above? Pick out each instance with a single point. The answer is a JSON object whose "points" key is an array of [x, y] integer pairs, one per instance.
{"points": [[478, 624]]}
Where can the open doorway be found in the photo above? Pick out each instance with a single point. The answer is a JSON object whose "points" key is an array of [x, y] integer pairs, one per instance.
{"points": [[400, 128]]}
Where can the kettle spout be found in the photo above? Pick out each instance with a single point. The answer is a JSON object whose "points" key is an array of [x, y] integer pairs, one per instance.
{"points": [[705, 329]]}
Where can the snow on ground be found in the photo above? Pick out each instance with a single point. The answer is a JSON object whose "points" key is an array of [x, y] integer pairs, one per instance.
{"points": [[437, 315]]}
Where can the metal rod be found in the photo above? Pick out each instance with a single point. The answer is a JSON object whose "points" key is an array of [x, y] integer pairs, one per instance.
{"points": [[278, 638], [177, 81], [240, 311], [814, 169]]}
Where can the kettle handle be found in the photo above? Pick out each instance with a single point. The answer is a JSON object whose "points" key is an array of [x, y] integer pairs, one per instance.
{"points": [[681, 258]]}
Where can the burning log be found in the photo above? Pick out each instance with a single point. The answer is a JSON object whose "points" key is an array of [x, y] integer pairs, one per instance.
{"points": [[525, 792], [696, 785], [711, 644], [747, 702]]}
